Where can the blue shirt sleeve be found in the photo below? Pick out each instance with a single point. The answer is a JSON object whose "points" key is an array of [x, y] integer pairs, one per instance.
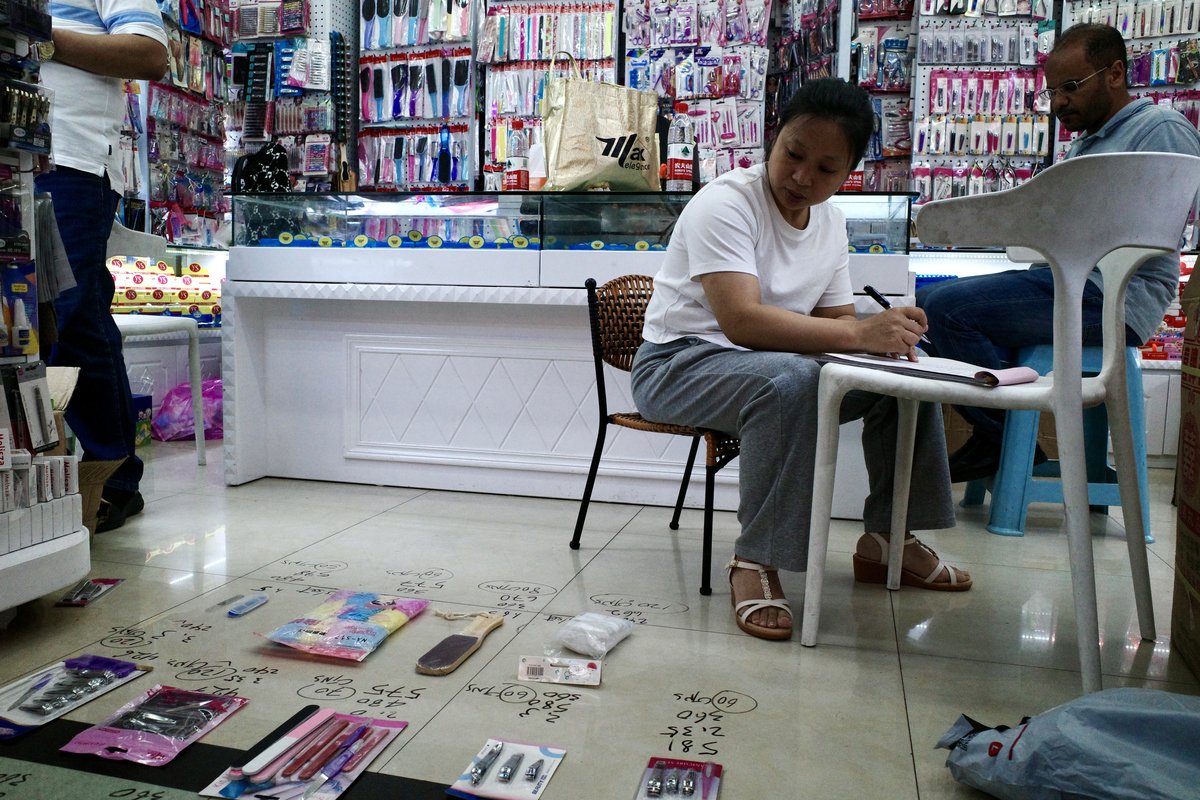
{"points": [[1173, 134]]}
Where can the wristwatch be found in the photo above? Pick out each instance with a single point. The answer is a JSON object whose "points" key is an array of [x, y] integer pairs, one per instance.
{"points": [[43, 51]]}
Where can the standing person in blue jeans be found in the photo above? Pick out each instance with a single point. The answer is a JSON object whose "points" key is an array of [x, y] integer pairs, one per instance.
{"points": [[755, 276], [96, 45], [983, 319]]}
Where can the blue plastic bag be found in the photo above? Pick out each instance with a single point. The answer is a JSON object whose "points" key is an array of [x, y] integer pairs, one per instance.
{"points": [[1131, 744]]}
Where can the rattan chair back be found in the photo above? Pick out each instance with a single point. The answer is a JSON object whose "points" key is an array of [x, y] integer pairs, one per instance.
{"points": [[619, 311]]}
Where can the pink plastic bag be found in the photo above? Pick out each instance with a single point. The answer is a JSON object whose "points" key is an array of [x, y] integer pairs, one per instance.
{"points": [[156, 726], [175, 421]]}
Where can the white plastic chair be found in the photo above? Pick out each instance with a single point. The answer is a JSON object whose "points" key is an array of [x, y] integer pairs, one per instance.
{"points": [[1112, 210], [154, 325]]}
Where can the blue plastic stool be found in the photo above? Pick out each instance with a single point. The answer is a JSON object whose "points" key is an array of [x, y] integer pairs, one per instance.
{"points": [[1018, 483]]}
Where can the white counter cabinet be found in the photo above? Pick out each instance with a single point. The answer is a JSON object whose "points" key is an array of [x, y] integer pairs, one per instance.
{"points": [[446, 387], [471, 388]]}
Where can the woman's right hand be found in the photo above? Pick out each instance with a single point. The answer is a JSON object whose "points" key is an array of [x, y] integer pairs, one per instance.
{"points": [[893, 332]]}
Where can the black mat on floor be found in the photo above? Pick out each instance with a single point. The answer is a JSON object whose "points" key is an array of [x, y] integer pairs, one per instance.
{"points": [[191, 770]]}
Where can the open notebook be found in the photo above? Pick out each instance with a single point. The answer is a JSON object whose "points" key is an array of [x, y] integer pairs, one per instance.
{"points": [[943, 369]]}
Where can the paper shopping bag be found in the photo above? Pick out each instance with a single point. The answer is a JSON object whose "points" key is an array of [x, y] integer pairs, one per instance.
{"points": [[598, 135]]}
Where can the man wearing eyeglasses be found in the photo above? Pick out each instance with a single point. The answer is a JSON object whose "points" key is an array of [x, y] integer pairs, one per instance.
{"points": [[982, 319]]}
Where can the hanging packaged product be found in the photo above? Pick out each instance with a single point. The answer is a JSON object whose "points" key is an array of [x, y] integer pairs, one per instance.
{"points": [[155, 727], [348, 624], [53, 691]]}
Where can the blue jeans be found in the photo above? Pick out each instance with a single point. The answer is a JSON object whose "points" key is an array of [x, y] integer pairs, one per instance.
{"points": [[983, 319], [101, 410]]}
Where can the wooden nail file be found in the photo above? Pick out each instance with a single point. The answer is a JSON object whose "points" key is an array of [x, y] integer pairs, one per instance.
{"points": [[452, 651]]}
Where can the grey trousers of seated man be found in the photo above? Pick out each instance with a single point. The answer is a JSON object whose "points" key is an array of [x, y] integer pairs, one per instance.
{"points": [[769, 401]]}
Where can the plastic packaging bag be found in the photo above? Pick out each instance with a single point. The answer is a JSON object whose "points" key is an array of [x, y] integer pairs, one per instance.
{"points": [[60, 689], [592, 634], [348, 624], [175, 419], [1131, 744], [156, 726]]}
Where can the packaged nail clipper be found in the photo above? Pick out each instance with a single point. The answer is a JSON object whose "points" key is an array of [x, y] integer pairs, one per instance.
{"points": [[508, 771], [54, 690], [679, 778], [348, 624], [155, 727]]}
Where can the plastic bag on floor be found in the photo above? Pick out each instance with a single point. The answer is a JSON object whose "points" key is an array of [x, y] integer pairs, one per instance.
{"points": [[1139, 744], [175, 420]]}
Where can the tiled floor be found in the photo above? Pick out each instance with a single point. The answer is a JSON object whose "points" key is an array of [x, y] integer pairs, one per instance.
{"points": [[855, 717]]}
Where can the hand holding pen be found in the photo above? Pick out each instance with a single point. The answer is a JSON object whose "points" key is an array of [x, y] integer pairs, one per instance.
{"points": [[883, 302]]}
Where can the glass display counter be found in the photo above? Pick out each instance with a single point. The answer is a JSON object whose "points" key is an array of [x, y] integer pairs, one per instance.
{"points": [[432, 221], [544, 239]]}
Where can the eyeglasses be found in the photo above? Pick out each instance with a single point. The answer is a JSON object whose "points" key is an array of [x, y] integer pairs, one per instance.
{"points": [[1068, 87]]}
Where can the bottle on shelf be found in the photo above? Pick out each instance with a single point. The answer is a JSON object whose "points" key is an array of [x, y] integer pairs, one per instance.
{"points": [[516, 170], [681, 149]]}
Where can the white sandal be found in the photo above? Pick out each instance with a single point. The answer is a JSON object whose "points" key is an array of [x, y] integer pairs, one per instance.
{"points": [[745, 608], [868, 571]]}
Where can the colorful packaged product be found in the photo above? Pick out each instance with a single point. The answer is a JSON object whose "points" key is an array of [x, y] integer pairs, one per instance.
{"points": [[348, 624]]}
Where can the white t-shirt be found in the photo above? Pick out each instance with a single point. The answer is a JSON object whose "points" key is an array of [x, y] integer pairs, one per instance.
{"points": [[87, 109], [733, 225]]}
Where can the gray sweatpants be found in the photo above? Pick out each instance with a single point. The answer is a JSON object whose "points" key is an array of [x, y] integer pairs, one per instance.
{"points": [[769, 401]]}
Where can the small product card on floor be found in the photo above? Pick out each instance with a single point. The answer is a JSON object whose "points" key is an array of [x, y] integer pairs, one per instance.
{"points": [[88, 591], [545, 669], [318, 764], [508, 771], [675, 777]]}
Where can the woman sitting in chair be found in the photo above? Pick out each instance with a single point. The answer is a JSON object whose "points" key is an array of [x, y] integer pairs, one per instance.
{"points": [[756, 272]]}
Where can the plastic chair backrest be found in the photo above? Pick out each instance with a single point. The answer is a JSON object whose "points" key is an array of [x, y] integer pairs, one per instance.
{"points": [[1083, 207], [1112, 210], [124, 241], [617, 310]]}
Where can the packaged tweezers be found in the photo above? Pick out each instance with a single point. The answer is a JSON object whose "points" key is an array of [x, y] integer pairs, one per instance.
{"points": [[52, 691], [155, 727]]}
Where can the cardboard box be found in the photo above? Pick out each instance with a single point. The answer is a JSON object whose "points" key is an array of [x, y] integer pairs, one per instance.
{"points": [[143, 411], [1185, 611], [957, 430], [92, 474]]}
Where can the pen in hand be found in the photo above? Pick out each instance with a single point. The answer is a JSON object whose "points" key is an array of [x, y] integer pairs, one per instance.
{"points": [[883, 301]]}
